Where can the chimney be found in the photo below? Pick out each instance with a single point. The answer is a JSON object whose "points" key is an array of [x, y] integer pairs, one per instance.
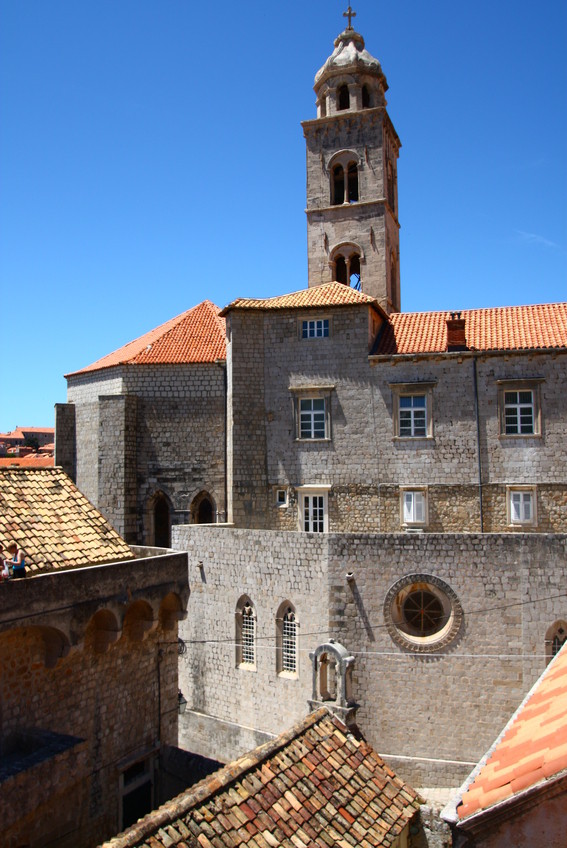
{"points": [[456, 339]]}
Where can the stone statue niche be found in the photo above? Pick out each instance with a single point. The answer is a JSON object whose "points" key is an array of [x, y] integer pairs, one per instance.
{"points": [[332, 681]]}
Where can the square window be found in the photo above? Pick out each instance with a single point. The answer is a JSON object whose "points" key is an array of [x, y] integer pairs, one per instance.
{"points": [[414, 507], [522, 506], [317, 328], [281, 497], [519, 408], [312, 418]]}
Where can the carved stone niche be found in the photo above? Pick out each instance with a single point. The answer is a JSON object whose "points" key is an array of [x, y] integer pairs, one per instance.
{"points": [[332, 681]]}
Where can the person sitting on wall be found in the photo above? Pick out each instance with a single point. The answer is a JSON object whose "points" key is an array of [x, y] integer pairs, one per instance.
{"points": [[16, 562]]}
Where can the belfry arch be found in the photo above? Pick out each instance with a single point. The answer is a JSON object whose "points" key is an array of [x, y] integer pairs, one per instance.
{"points": [[203, 509]]}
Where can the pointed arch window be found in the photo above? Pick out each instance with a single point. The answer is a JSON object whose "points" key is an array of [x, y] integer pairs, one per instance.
{"points": [[343, 98], [245, 634], [286, 639]]}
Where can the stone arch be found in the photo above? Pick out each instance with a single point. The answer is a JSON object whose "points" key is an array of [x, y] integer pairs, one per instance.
{"points": [[158, 520], [203, 509], [245, 622], [345, 261], [287, 633], [102, 631], [171, 611], [48, 644], [138, 621], [343, 168]]}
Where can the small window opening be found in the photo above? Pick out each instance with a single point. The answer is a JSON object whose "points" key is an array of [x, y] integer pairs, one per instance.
{"points": [[341, 270], [391, 192], [343, 98], [248, 634], [327, 678], [352, 183], [205, 512], [354, 272], [337, 185], [161, 523], [365, 97]]}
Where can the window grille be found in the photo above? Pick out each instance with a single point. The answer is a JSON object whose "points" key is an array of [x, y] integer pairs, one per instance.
{"points": [[289, 641], [248, 634]]}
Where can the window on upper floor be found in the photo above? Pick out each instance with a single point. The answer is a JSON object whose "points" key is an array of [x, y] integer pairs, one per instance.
{"points": [[413, 507], [313, 506], [316, 328], [365, 97], [352, 179], [313, 418], [555, 638], [337, 185], [343, 98], [412, 408], [521, 505], [286, 640], [347, 269], [519, 408], [245, 633]]}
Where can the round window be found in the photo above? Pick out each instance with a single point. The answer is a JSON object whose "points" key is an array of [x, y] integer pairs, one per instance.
{"points": [[422, 613]]}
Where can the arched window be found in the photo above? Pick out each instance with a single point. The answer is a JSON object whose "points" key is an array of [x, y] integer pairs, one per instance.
{"points": [[343, 98], [391, 192], [365, 97], [337, 185], [347, 270], [352, 182], [340, 270], [286, 639], [555, 638], [245, 633], [158, 521]]}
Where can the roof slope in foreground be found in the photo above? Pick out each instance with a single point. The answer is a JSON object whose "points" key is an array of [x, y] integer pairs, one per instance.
{"points": [[532, 748], [314, 785], [55, 525], [195, 336], [325, 295], [539, 327]]}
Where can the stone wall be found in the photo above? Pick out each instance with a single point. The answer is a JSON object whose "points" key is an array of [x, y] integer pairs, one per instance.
{"points": [[88, 688], [434, 713]]}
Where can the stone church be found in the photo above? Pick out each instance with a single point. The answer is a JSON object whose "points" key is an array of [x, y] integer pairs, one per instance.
{"points": [[374, 502]]}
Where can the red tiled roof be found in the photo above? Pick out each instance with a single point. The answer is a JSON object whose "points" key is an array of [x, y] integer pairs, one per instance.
{"points": [[55, 525], [328, 294], [315, 785], [197, 335], [498, 328], [34, 460], [533, 747]]}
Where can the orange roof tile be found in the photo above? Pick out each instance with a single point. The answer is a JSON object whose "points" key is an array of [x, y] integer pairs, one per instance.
{"points": [[328, 294], [532, 748], [195, 336], [303, 788], [34, 460], [55, 525], [498, 328]]}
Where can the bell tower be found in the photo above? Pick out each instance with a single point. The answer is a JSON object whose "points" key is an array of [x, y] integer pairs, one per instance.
{"points": [[352, 186]]}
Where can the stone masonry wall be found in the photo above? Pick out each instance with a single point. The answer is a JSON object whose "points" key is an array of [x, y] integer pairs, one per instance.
{"points": [[415, 708], [66, 438]]}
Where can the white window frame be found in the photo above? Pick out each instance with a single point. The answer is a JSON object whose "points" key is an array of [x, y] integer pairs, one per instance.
{"points": [[410, 390], [246, 650], [517, 386], [517, 497], [315, 328], [309, 493], [419, 506], [287, 642], [312, 393]]}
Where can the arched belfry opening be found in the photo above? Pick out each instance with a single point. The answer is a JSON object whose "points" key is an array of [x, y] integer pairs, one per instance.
{"points": [[203, 510], [343, 98], [345, 265], [332, 680]]}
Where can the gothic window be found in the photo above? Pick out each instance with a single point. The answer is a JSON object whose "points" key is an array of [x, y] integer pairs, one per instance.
{"points": [[555, 638], [341, 270], [202, 509], [352, 178], [365, 97], [337, 185], [391, 192], [286, 639], [245, 633], [343, 98], [158, 521], [347, 270]]}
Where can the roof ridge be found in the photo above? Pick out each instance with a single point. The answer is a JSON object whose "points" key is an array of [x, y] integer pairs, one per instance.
{"points": [[185, 801]]}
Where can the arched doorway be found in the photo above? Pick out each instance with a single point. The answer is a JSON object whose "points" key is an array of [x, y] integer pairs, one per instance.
{"points": [[159, 521], [203, 509]]}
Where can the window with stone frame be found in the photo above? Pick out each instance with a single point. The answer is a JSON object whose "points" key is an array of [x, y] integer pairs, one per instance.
{"points": [[412, 409], [312, 408], [413, 507], [245, 634], [519, 408], [521, 505], [313, 509], [286, 640]]}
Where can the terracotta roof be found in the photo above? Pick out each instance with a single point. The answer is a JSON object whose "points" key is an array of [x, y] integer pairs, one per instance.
{"points": [[55, 525], [33, 460], [328, 294], [499, 328], [197, 335], [315, 785], [532, 748]]}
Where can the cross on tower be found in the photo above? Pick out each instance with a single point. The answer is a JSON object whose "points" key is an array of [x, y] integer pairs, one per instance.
{"points": [[349, 14]]}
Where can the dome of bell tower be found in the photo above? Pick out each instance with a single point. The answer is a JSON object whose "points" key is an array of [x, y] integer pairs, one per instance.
{"points": [[349, 57]]}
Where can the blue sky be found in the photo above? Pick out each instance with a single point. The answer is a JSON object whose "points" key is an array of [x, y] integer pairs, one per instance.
{"points": [[151, 156]]}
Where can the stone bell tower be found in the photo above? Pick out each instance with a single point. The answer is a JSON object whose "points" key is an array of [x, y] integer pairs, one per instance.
{"points": [[352, 186]]}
